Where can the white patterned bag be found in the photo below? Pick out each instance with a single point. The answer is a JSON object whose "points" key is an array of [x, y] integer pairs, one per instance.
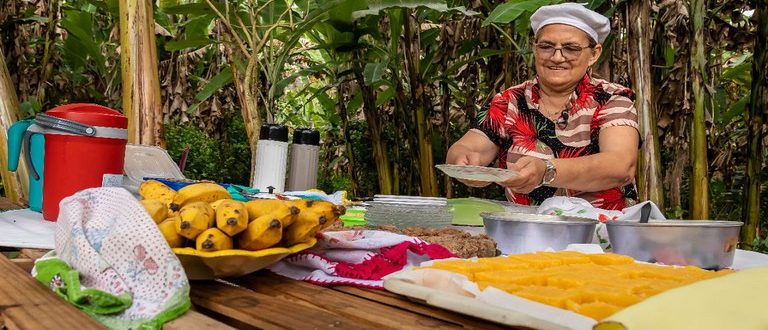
{"points": [[106, 235]]}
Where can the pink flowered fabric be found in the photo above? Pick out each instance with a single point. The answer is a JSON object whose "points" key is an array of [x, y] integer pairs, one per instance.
{"points": [[106, 235], [358, 257]]}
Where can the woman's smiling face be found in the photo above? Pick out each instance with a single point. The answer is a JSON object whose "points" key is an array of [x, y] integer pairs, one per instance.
{"points": [[559, 71]]}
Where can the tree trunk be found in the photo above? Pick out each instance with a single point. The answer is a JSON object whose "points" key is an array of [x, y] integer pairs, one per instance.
{"points": [[756, 117], [383, 168], [418, 96], [341, 107], [650, 184], [249, 107], [141, 82], [445, 107], [16, 184], [699, 194], [46, 67]]}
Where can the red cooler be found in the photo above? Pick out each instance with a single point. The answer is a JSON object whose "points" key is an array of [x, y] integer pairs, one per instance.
{"points": [[84, 148]]}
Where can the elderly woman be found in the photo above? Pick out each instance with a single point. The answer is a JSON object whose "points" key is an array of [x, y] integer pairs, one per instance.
{"points": [[565, 132]]}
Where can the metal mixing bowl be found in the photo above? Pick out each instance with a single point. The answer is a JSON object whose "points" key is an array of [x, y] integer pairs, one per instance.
{"points": [[522, 232], [707, 244]]}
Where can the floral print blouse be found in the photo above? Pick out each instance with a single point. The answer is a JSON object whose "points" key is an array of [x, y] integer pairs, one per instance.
{"points": [[513, 122]]}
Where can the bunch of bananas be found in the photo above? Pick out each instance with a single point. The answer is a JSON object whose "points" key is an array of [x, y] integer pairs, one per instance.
{"points": [[205, 214]]}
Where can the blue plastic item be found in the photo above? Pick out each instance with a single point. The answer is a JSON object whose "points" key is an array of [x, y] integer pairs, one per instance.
{"points": [[34, 153], [177, 184]]}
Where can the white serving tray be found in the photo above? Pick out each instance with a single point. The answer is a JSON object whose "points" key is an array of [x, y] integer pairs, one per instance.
{"points": [[456, 293]]}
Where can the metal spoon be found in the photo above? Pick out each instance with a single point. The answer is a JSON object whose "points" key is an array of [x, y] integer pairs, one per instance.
{"points": [[645, 213]]}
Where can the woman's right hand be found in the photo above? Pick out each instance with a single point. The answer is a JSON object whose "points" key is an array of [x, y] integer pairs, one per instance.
{"points": [[463, 153], [469, 158]]}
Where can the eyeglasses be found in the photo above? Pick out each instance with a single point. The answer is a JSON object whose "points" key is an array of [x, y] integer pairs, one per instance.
{"points": [[569, 52]]}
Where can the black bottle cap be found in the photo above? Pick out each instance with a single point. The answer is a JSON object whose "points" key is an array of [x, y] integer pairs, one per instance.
{"points": [[306, 136], [274, 132]]}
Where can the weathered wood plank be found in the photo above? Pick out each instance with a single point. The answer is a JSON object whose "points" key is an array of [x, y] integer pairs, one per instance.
{"points": [[398, 301], [25, 264], [264, 311], [58, 315], [19, 288], [27, 304], [385, 317], [33, 254], [192, 320]]}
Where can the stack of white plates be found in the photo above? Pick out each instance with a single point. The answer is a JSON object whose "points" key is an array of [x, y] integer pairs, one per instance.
{"points": [[409, 211]]}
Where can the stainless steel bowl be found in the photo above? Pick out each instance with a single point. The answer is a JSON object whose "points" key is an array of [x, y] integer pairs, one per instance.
{"points": [[707, 244], [522, 232]]}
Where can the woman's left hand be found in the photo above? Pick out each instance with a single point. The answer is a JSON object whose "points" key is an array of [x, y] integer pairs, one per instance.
{"points": [[530, 171]]}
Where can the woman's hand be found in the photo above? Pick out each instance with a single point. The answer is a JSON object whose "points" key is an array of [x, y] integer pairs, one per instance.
{"points": [[530, 172], [473, 148], [461, 155]]}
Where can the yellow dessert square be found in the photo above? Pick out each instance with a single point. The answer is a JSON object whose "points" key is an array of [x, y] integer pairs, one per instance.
{"points": [[568, 257], [548, 295], [504, 263], [537, 260], [610, 259], [508, 287], [569, 280], [596, 310], [610, 295], [521, 277]]}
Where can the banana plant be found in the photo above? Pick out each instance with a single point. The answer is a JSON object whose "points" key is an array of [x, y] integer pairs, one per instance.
{"points": [[140, 79], [14, 185], [756, 118]]}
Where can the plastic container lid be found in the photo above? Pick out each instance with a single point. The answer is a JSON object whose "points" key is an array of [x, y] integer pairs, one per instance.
{"points": [[90, 114], [306, 136], [274, 132], [148, 161]]}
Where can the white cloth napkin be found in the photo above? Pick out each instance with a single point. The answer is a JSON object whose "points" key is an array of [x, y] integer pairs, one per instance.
{"points": [[357, 257], [577, 207]]}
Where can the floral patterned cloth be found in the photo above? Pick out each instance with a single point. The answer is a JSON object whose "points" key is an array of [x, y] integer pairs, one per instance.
{"points": [[108, 237], [513, 122]]}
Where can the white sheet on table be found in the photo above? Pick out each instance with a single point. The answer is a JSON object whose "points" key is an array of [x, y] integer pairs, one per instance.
{"points": [[26, 229]]}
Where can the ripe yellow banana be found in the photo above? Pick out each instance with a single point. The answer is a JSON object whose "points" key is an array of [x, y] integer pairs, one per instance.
{"points": [[213, 239], [168, 229], [260, 207], [216, 204], [263, 232], [231, 216], [153, 189], [329, 211], [156, 209], [199, 192], [194, 218], [304, 228]]}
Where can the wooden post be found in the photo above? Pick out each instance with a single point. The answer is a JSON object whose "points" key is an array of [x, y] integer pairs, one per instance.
{"points": [[140, 78]]}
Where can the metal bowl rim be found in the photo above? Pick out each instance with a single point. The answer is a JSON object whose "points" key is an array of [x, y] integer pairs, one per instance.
{"points": [[542, 218], [676, 223]]}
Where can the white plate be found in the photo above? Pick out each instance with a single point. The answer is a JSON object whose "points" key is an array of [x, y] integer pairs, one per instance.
{"points": [[477, 173]]}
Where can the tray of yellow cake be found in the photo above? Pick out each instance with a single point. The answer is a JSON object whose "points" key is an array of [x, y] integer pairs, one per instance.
{"points": [[560, 290]]}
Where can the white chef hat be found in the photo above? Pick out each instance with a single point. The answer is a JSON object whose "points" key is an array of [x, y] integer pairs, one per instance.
{"points": [[595, 25]]}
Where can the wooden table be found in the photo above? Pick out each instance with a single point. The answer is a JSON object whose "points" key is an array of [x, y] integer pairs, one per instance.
{"points": [[261, 300]]}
